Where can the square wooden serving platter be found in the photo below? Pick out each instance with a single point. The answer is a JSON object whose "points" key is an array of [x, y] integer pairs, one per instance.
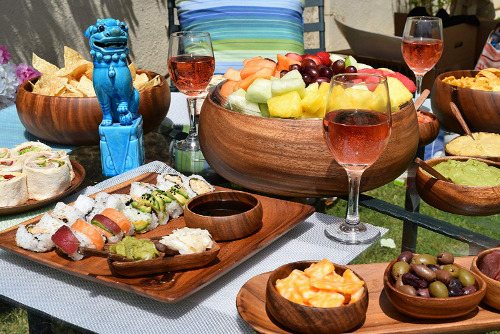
{"points": [[279, 216]]}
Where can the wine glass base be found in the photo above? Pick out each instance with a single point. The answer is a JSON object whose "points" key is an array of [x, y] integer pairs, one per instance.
{"points": [[189, 144], [352, 235]]}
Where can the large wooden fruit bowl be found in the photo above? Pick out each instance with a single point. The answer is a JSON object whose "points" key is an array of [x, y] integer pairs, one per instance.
{"points": [[479, 108], [289, 157], [75, 120]]}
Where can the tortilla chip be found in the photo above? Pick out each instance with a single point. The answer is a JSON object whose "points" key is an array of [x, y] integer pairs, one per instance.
{"points": [[51, 85], [89, 73], [140, 81], [86, 86], [43, 66], [133, 71]]}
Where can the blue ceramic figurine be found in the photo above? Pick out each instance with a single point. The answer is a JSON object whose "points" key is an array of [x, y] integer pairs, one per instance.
{"points": [[122, 143]]}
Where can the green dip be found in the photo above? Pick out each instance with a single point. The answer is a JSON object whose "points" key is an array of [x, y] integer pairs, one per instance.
{"points": [[469, 173], [135, 249]]}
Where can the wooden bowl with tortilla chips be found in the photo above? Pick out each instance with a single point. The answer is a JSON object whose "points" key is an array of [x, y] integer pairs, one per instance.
{"points": [[61, 107], [476, 94]]}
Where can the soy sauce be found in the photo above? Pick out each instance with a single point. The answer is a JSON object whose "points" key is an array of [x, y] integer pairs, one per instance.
{"points": [[221, 208]]}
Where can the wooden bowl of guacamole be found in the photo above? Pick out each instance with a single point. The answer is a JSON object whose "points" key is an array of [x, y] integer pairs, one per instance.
{"points": [[485, 145], [473, 189]]}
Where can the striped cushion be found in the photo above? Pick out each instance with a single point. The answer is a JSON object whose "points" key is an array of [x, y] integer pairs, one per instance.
{"points": [[245, 29]]}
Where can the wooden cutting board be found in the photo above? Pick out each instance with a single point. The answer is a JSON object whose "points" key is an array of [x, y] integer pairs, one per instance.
{"points": [[278, 217], [381, 316]]}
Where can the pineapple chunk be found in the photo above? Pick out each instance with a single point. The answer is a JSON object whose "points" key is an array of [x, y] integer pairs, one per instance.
{"points": [[312, 101], [285, 106], [398, 93], [323, 91]]}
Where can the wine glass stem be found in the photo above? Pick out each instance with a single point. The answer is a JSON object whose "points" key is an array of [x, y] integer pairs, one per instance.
{"points": [[352, 218], [192, 115], [418, 80]]}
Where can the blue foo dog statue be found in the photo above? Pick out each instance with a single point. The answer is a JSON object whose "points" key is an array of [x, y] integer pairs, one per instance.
{"points": [[122, 142]]}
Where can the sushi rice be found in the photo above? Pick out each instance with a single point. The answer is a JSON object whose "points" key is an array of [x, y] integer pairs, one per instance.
{"points": [[67, 213], [196, 185], [165, 181], [137, 218], [37, 238], [139, 188], [85, 205]]}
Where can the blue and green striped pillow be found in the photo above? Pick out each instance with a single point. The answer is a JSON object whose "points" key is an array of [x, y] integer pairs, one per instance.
{"points": [[245, 29]]}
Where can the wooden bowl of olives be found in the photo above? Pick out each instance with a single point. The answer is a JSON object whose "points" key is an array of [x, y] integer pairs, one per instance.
{"points": [[432, 287], [487, 265]]}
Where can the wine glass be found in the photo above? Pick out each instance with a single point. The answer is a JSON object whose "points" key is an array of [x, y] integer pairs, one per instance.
{"points": [[422, 45], [191, 66], [357, 125]]}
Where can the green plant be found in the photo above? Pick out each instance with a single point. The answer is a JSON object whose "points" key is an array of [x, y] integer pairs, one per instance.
{"points": [[432, 6]]}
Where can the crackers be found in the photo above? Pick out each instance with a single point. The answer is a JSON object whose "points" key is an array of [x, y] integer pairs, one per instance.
{"points": [[75, 78], [487, 79]]}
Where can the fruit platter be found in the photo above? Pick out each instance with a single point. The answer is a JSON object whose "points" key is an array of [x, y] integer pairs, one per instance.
{"points": [[246, 113]]}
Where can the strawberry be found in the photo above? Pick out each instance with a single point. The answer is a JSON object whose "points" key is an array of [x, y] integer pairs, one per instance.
{"points": [[316, 59], [294, 56], [324, 57]]}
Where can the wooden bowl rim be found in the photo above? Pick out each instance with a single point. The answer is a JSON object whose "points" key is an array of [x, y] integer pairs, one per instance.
{"points": [[440, 77], [431, 115], [434, 300], [255, 207], [431, 162], [475, 268], [306, 308], [26, 83], [479, 157]]}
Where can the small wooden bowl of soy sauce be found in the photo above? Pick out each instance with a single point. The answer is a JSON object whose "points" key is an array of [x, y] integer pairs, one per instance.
{"points": [[227, 215]]}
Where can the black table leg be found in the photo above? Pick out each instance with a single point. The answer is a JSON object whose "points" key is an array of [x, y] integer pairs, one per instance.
{"points": [[39, 324]]}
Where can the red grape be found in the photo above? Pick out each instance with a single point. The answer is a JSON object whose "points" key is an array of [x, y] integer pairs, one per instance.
{"points": [[312, 71], [308, 62], [350, 69], [320, 80], [326, 72], [282, 73], [307, 78], [338, 66], [295, 67]]}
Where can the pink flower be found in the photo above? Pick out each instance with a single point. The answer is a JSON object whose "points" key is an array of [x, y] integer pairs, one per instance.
{"points": [[4, 55], [25, 72]]}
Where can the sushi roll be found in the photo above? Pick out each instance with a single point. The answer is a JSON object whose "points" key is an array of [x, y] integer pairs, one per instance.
{"points": [[85, 205], [141, 217], [37, 238], [171, 204], [11, 165], [115, 202], [120, 219], [107, 227], [155, 202], [26, 149], [89, 231], [137, 189], [42, 156], [47, 179], [197, 185], [67, 213], [67, 241], [99, 204], [13, 188], [4, 153], [165, 181]]}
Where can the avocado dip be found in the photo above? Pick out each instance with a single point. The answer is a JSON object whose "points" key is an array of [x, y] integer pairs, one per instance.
{"points": [[135, 249], [469, 173]]}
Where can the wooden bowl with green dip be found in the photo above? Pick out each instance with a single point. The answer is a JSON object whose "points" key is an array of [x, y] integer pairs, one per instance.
{"points": [[479, 193]]}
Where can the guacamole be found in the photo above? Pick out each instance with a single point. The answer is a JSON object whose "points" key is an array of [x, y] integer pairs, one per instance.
{"points": [[469, 173], [135, 249]]}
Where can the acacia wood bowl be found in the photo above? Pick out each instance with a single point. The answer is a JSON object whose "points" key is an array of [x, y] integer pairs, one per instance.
{"points": [[455, 198], [289, 157], [446, 150], [492, 296], [308, 319], [479, 108], [75, 120], [432, 308], [428, 132], [224, 228]]}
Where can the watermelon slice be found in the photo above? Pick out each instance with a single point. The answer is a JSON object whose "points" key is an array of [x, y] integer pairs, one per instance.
{"points": [[410, 85]]}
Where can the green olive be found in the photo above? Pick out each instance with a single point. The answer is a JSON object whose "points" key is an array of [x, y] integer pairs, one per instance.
{"points": [[438, 289], [424, 259], [466, 277], [452, 269], [445, 258], [408, 289], [399, 268]]}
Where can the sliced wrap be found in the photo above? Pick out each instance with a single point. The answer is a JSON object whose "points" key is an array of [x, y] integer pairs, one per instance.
{"points": [[13, 189], [47, 178]]}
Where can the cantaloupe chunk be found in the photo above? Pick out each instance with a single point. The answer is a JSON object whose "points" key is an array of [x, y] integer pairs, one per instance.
{"points": [[247, 60], [232, 74], [255, 65], [285, 62], [264, 73], [227, 88]]}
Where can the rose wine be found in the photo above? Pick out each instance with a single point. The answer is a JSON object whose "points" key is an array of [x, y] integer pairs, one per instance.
{"points": [[421, 54], [191, 74], [356, 138]]}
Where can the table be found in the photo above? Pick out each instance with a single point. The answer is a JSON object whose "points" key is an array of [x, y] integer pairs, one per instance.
{"points": [[94, 307]]}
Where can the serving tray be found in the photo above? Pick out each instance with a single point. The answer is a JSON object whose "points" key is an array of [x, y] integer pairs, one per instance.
{"points": [[32, 204], [381, 316], [279, 216]]}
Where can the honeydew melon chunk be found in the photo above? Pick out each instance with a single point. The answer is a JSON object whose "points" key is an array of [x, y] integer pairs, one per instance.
{"points": [[264, 110], [283, 86], [334, 57], [259, 91], [239, 103], [295, 74], [360, 66], [350, 61]]}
